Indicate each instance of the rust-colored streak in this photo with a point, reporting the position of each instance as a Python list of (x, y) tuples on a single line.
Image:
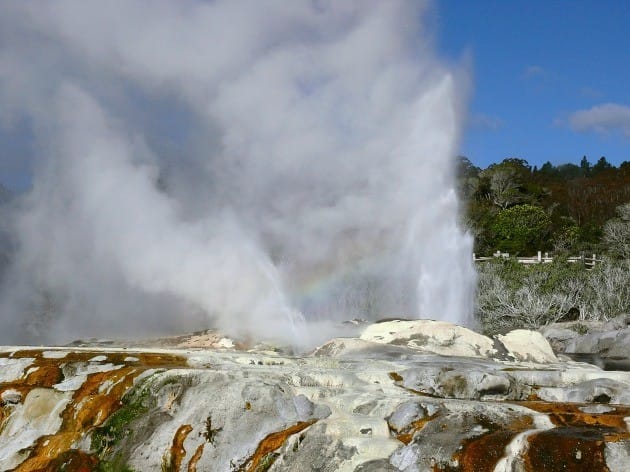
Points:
[(395, 377), (88, 409), (151, 360), (407, 434), (192, 464), (271, 443), (98, 398), (482, 453), (566, 449), (72, 461), (576, 444), (42, 373), (569, 414), (34, 353), (178, 452)]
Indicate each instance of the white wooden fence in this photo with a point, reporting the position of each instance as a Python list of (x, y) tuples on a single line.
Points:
[(540, 258)]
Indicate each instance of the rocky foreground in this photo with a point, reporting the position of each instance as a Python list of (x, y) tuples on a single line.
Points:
[(401, 396)]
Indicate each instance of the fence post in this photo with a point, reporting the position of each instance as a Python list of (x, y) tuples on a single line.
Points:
[(474, 257), (539, 257)]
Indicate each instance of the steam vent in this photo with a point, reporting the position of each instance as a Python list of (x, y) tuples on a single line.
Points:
[(398, 396)]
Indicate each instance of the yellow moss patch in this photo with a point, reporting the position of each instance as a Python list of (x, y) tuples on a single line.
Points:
[(406, 435)]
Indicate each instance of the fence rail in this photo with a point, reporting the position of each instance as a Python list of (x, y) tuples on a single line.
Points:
[(542, 258)]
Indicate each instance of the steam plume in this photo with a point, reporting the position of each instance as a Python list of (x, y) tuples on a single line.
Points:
[(243, 165)]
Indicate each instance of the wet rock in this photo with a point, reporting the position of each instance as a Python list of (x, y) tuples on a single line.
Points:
[(614, 344), (11, 397), (473, 382), (406, 414), (599, 391), (378, 465), (617, 456), (436, 337), (528, 346), (38, 416), (352, 347), (605, 339), (391, 400)]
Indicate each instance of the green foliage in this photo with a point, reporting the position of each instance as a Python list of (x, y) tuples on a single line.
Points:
[(267, 462), (567, 235), (117, 425), (578, 200), (566, 209), (585, 166), (114, 441), (569, 171), (106, 440), (579, 328), (106, 466), (521, 229), (601, 165)]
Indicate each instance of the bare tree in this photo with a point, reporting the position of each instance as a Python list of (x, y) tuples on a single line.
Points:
[(504, 187), (599, 294), (617, 233)]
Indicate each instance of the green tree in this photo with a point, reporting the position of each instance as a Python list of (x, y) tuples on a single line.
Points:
[(601, 165), (467, 177), (549, 170), (521, 229), (585, 166), (569, 171)]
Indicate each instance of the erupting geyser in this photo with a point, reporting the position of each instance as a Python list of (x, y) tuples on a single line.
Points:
[(232, 164)]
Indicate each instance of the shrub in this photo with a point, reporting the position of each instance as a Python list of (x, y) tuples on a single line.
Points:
[(617, 233), (512, 295), (521, 228)]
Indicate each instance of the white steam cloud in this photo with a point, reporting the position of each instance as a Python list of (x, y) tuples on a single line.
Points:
[(232, 164)]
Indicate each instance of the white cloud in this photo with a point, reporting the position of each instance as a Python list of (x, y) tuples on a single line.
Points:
[(603, 118)]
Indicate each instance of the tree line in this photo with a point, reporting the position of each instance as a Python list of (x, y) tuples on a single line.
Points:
[(567, 209), (520, 209)]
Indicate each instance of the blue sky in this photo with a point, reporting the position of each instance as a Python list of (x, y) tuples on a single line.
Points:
[(536, 64), (550, 82)]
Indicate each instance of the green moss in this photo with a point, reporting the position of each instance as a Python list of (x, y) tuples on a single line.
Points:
[(579, 328), (267, 462), (166, 464), (134, 404), (107, 466)]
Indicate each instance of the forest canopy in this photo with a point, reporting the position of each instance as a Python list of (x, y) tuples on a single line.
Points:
[(520, 209)]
